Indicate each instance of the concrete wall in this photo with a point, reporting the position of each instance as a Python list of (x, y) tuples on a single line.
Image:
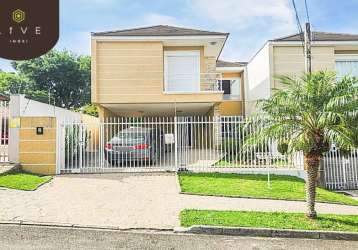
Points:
[(38, 152), (23, 107), (258, 79)]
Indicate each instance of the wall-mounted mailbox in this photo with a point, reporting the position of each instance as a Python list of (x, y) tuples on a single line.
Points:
[(39, 130)]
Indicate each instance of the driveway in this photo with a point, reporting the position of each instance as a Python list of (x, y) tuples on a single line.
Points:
[(192, 158), (127, 200)]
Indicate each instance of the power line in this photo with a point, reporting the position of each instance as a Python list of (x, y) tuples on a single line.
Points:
[(307, 15), (301, 34), (305, 38)]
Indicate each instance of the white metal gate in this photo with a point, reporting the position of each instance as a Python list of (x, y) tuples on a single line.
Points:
[(4, 137), (341, 171), (164, 143)]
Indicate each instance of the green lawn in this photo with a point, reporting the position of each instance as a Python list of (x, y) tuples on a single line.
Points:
[(23, 181), (269, 220), (235, 164), (255, 186)]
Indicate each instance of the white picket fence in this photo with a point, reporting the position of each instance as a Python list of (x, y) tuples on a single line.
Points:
[(341, 171), (165, 143), (207, 144), (4, 132)]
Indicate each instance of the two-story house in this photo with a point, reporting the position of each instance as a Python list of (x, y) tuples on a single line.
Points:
[(164, 71), (285, 56), (167, 71)]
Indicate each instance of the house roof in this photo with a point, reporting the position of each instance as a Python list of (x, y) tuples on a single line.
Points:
[(319, 36), (220, 63), (159, 30)]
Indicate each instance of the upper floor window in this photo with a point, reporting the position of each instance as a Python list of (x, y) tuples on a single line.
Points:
[(347, 65), (231, 88), (182, 71)]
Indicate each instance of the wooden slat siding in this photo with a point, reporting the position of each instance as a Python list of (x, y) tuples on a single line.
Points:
[(290, 60), (231, 74), (94, 87), (133, 72), (347, 51), (231, 108), (42, 146), (128, 68), (163, 98)]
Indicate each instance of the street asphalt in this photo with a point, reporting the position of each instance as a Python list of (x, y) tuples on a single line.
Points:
[(43, 237)]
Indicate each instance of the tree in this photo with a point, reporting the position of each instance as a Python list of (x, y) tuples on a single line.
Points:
[(62, 74), (312, 111), (89, 109), (12, 83)]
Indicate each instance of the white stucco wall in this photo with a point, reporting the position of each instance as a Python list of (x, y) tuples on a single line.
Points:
[(20, 106), (23, 107), (258, 78)]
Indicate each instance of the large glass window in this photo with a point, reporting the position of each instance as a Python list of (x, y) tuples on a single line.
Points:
[(347, 65), (231, 88)]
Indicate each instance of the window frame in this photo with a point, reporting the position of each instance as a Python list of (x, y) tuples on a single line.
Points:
[(240, 88), (184, 53), (345, 58)]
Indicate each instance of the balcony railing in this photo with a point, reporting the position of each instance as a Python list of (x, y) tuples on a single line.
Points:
[(211, 82)]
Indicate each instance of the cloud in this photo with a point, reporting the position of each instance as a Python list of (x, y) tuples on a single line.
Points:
[(155, 19), (250, 22), (5, 65), (244, 13)]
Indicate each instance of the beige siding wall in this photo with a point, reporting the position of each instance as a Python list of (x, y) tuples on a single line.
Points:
[(38, 152), (127, 70), (231, 108), (289, 60), (133, 72)]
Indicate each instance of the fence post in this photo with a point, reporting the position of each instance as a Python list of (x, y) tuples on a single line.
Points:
[(176, 142)]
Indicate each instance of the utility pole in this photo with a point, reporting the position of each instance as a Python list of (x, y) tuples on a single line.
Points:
[(308, 55)]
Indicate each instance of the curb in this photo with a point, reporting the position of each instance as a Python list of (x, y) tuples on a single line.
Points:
[(78, 226), (267, 232)]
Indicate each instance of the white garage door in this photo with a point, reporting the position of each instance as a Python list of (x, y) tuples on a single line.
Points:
[(182, 71)]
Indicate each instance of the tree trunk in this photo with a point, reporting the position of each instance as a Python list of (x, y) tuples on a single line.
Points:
[(312, 165)]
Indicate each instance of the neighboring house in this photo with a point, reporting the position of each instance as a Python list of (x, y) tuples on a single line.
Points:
[(164, 71), (284, 56)]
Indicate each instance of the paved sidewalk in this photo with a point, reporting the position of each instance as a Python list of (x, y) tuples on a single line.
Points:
[(127, 201)]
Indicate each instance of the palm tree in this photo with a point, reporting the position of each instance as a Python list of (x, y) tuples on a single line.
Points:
[(312, 111)]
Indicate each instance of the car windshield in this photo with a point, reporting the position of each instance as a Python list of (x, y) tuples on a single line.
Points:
[(129, 137)]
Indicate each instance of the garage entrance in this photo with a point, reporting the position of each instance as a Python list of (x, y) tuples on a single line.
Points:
[(202, 143)]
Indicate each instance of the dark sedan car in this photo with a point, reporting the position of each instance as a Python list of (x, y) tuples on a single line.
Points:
[(135, 145)]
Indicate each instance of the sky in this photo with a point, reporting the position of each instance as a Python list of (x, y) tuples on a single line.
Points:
[(249, 22)]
